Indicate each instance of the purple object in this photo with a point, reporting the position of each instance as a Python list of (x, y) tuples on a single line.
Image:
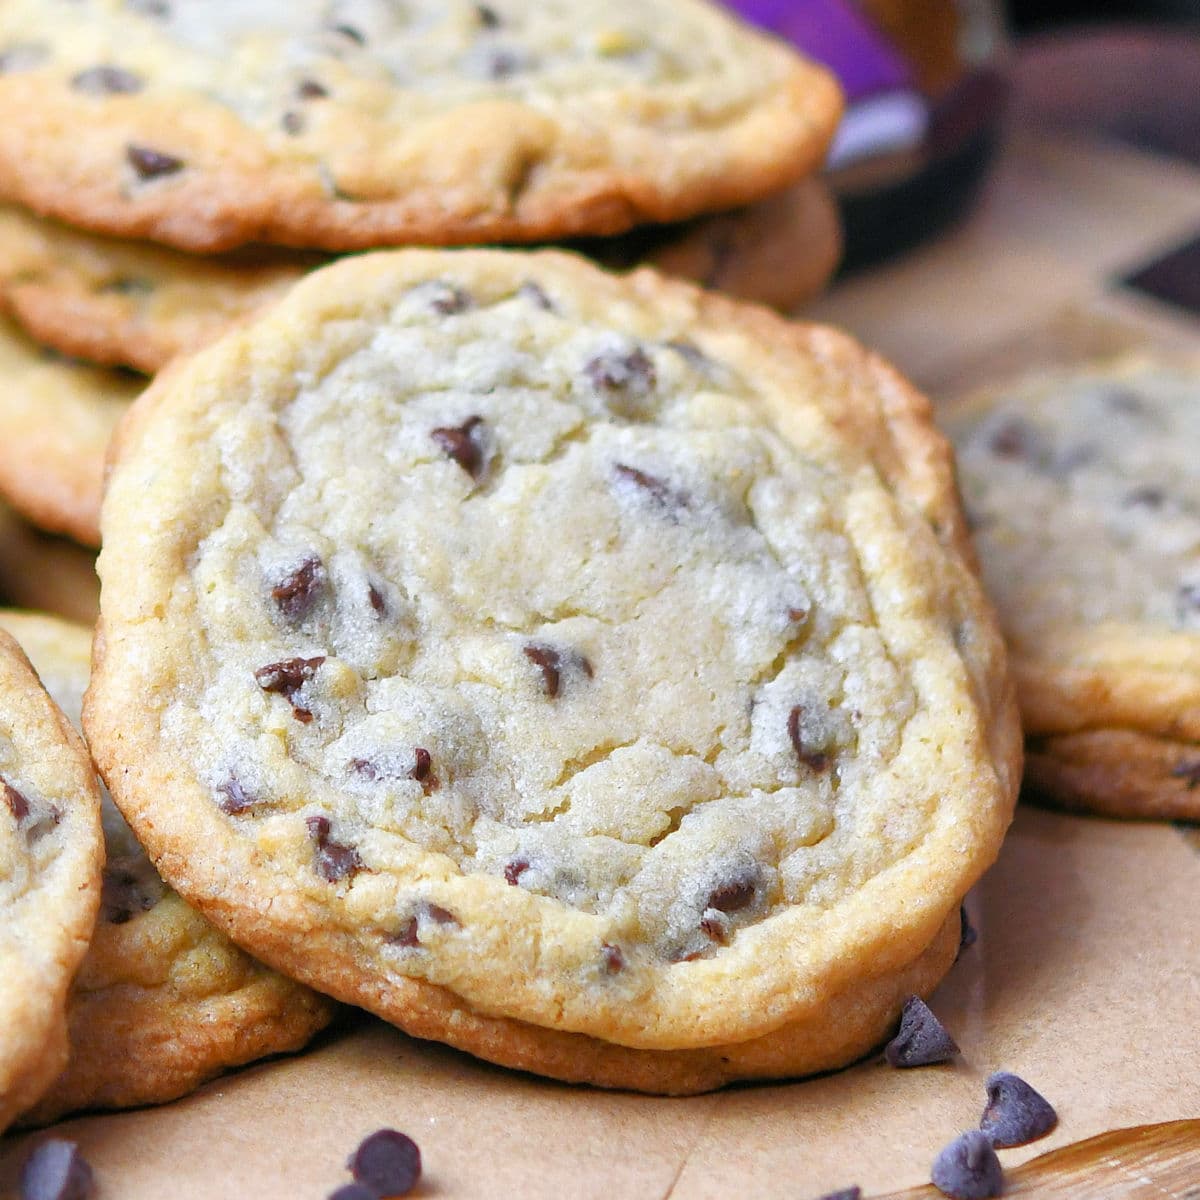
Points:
[(835, 33)]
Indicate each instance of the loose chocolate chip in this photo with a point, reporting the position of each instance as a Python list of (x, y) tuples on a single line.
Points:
[(56, 1171), (387, 1161), (1015, 1112), (922, 1039), (514, 870), (657, 489), (1014, 439), (17, 804), (24, 56), (332, 860), (310, 89), (463, 444), (1145, 497), (121, 895), (967, 936), (152, 164), (536, 296), (614, 960), (968, 1168), (354, 1191), (733, 895), (850, 1193), (107, 81), (293, 123), (235, 798), (286, 679), (815, 760), (488, 17), (631, 373), (376, 599), (295, 594), (1189, 772)]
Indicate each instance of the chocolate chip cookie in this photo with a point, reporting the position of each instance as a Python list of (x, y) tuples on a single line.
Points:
[(162, 1001), (583, 670), (50, 858), (137, 305), (206, 124), (1081, 486), (56, 419)]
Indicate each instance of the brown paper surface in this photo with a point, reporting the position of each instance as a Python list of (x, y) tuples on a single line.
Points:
[(1085, 979)]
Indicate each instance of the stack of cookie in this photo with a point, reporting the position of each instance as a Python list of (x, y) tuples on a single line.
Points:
[(584, 670)]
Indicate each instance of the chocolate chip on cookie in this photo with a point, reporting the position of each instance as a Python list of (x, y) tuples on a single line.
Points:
[(816, 759), (922, 1039), (234, 797), (286, 678), (1015, 1113), (296, 593), (56, 1170), (658, 490), (465, 444), (107, 81), (150, 164), (553, 663), (622, 374), (17, 804), (332, 860)]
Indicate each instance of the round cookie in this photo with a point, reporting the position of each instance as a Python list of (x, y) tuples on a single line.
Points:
[(358, 123), (162, 1002), (138, 305), (50, 858), (1082, 488), (588, 668), (56, 419), (47, 573)]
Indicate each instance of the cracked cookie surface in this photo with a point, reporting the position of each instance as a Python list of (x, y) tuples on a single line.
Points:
[(57, 417), (566, 654), (162, 1001), (137, 305), (206, 124), (50, 858), (1082, 490)]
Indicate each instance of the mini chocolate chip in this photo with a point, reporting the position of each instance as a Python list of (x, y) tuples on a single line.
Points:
[(17, 804), (463, 444), (797, 615), (967, 935), (631, 373), (152, 164), (295, 594), (488, 17), (435, 912), (692, 355), (921, 1040), (354, 1191), (387, 1161), (421, 770), (657, 489), (286, 678), (968, 1169), (55, 1170), (850, 1193), (235, 799), (614, 959), (815, 760), (1015, 1112), (107, 81), (121, 895), (1189, 772), (406, 935), (310, 89), (1145, 497), (448, 299), (535, 295), (293, 123), (376, 600), (733, 895), (548, 661), (514, 870), (503, 63), (332, 860), (24, 56), (365, 767), (715, 927), (1014, 439), (349, 31)]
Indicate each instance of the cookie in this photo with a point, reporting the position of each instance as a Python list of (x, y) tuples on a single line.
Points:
[(583, 670), (1081, 488), (359, 123), (138, 305), (162, 1001), (50, 858), (47, 573), (56, 419)]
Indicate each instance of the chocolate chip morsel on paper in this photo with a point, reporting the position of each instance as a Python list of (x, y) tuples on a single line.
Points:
[(1015, 1112), (922, 1039), (968, 1169)]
